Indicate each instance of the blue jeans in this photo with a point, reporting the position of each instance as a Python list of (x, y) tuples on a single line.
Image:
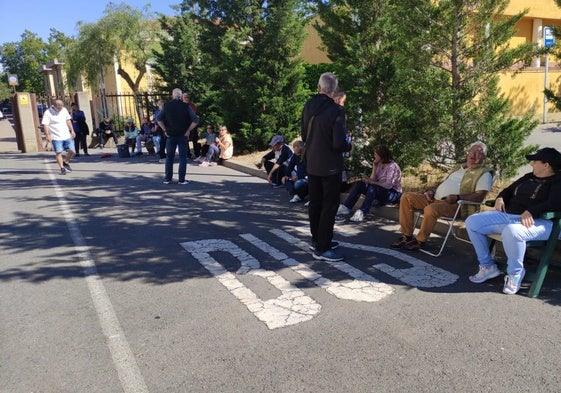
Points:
[(298, 187), (374, 195), (172, 143), (514, 236), (157, 139), (213, 151)]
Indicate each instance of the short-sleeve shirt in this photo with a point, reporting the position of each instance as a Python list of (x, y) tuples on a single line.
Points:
[(57, 122)]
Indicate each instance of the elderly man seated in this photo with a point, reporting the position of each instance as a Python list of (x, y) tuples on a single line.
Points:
[(106, 131), (276, 160), (471, 182)]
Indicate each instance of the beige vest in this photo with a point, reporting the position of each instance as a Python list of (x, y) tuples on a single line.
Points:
[(467, 186)]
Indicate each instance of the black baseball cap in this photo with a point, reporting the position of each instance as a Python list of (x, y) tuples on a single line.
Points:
[(547, 154)]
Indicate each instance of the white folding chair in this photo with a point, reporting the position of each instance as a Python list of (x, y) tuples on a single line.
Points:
[(451, 221)]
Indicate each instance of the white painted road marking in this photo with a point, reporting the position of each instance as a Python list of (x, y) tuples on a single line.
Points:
[(420, 274), (364, 288), (291, 307), (123, 359)]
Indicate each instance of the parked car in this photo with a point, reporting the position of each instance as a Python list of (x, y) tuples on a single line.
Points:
[(2, 117)]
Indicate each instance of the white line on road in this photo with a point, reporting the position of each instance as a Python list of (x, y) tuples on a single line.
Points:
[(123, 359)]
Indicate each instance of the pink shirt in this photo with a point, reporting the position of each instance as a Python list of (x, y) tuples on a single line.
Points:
[(388, 176)]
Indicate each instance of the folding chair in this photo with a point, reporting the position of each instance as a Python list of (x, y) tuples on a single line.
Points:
[(546, 249), (450, 221)]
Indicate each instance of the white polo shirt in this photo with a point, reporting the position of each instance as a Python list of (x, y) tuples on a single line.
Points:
[(57, 122)]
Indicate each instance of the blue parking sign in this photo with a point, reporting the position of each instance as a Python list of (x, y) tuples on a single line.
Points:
[(548, 37)]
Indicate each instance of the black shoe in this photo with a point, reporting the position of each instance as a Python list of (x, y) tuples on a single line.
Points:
[(403, 240), (86, 154), (67, 167), (413, 245), (63, 171), (76, 155)]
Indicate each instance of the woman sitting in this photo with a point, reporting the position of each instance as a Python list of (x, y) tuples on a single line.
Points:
[(222, 148), (516, 218), (382, 187)]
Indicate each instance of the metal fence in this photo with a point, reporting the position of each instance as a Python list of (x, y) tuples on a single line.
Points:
[(117, 107)]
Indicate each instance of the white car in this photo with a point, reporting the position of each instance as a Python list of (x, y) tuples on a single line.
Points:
[(1, 116)]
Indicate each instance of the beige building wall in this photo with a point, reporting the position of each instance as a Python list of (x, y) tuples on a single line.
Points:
[(524, 88)]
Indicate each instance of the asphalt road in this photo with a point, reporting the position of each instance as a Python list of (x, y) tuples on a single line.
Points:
[(111, 281)]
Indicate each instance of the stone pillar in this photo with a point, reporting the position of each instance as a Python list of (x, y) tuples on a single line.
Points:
[(28, 134)]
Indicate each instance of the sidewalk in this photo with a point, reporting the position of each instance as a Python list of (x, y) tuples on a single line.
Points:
[(8, 143)]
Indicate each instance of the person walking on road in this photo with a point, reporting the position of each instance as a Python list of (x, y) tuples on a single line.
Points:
[(323, 129), (80, 129), (57, 125), (176, 121)]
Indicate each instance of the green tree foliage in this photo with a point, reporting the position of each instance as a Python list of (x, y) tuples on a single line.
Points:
[(469, 43), (124, 35), (422, 76), (25, 57), (377, 58), (249, 54)]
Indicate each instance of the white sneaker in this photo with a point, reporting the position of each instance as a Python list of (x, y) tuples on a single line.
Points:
[(358, 216), (295, 199), (485, 273), (343, 210), (307, 204), (513, 282)]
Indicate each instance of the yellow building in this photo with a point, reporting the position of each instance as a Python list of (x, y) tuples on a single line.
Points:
[(525, 88)]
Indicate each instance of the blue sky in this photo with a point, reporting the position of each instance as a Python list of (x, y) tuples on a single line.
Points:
[(39, 16)]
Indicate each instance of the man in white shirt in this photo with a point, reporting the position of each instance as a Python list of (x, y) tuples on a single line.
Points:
[(57, 125), (471, 182)]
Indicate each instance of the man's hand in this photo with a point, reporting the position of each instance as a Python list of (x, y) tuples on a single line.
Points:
[(429, 195), (451, 199)]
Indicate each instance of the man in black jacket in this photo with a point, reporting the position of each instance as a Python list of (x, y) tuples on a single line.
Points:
[(324, 131), (176, 120)]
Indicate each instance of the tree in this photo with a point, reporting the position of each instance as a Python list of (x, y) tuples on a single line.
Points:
[(123, 36), (427, 75), (470, 43), (248, 53), (377, 58), (25, 57)]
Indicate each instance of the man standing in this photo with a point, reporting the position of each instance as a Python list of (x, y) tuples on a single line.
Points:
[(80, 129), (176, 121), (194, 135), (323, 129), (57, 125)]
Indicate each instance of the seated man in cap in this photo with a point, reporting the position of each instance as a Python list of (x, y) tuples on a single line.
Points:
[(131, 132), (276, 161), (106, 131)]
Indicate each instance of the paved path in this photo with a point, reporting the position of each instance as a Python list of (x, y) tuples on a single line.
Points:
[(111, 281)]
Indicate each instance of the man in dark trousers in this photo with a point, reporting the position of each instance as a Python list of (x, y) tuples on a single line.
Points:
[(176, 121), (324, 131)]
